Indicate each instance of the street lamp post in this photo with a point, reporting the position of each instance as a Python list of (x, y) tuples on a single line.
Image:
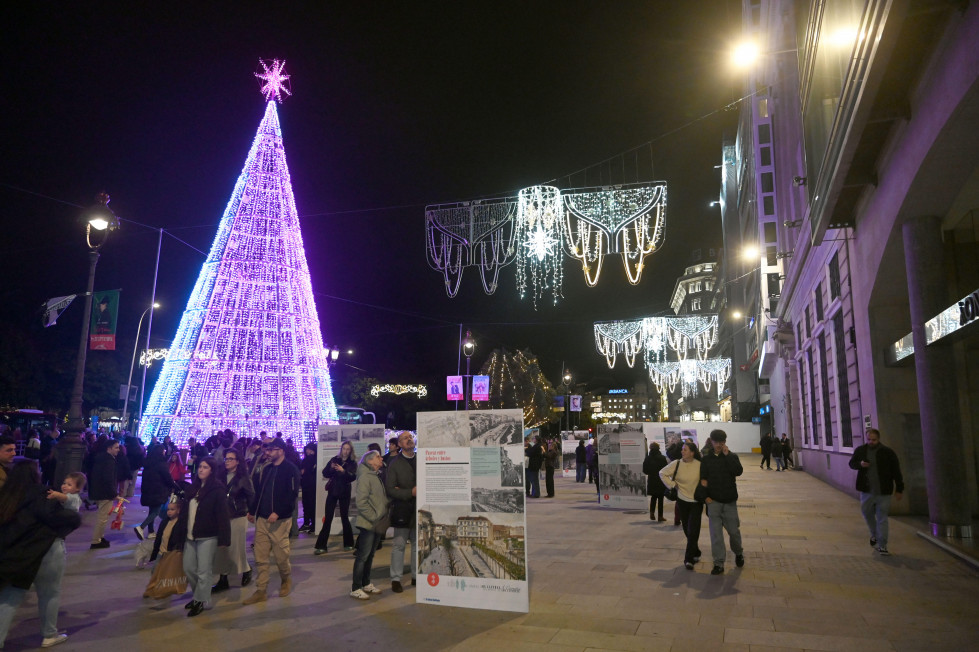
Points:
[(129, 383), (468, 348), (567, 399), (70, 449)]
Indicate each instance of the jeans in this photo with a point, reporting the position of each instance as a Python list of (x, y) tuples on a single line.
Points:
[(580, 471), (151, 517), (533, 487), (724, 516), (875, 510), (332, 500), (401, 536), (199, 566), (47, 583), (779, 463), (366, 546), (690, 517)]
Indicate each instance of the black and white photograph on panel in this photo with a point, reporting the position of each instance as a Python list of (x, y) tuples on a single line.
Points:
[(488, 494), (607, 445), (620, 479), (351, 434), (329, 434), (443, 429), (511, 466), (496, 428), (453, 541)]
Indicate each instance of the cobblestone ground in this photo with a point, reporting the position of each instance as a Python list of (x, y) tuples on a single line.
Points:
[(600, 579)]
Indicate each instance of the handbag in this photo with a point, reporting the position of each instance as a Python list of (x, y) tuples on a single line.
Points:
[(168, 577), (382, 524), (402, 513), (671, 493)]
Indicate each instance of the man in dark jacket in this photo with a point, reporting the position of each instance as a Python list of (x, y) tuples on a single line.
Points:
[(580, 462), (718, 473), (535, 460), (651, 466), (402, 488), (102, 487), (271, 512), (766, 450), (878, 473)]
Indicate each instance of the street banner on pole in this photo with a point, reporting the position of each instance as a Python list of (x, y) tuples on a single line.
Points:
[(54, 307), (453, 388), (481, 388), (471, 512), (105, 314), (575, 403)]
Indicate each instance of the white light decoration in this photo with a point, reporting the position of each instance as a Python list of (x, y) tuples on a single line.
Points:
[(688, 373), (664, 375), (276, 81), (691, 332), (539, 240), (614, 337), (420, 390), (470, 234), (714, 370), (149, 356), (248, 354), (627, 220)]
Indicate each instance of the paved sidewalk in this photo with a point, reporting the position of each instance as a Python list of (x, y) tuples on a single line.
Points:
[(600, 579)]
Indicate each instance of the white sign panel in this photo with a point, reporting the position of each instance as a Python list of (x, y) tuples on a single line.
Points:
[(621, 451), (328, 441), (471, 510)]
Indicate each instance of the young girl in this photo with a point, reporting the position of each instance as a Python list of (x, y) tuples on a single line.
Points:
[(71, 489)]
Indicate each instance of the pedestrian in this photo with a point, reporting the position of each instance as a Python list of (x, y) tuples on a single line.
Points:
[(535, 459), (878, 475), (787, 452), (580, 461), (372, 507), (392, 450), (208, 527), (552, 461), (307, 472), (102, 487), (718, 473), (233, 560), (401, 486), (33, 530), (271, 512), (655, 488), (766, 450), (340, 473), (155, 490), (8, 449), (684, 474), (777, 454)]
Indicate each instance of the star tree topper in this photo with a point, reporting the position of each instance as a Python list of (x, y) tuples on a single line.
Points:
[(276, 82)]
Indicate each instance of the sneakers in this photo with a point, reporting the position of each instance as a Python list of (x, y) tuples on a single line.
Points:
[(196, 609), (688, 565), (101, 544), (139, 533), (254, 598), (717, 570), (319, 551), (881, 550), (286, 587), (739, 561), (396, 587), (370, 588), (359, 594), (347, 548), (54, 640), (873, 542)]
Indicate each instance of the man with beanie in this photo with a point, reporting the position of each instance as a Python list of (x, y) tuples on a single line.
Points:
[(718, 472)]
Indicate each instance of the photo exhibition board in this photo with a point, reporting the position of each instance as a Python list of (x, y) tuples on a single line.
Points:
[(621, 451), (328, 441)]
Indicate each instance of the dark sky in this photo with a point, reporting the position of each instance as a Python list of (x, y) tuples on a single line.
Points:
[(395, 105)]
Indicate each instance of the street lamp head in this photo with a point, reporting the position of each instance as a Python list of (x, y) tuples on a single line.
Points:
[(744, 55), (156, 305), (750, 253), (736, 314), (334, 353), (100, 218), (468, 345)]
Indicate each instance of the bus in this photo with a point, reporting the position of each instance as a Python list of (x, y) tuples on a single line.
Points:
[(348, 414), (25, 420)]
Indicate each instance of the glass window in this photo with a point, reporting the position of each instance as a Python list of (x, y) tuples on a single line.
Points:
[(766, 156), (767, 182), (819, 302), (764, 133), (770, 232), (843, 381), (768, 205), (834, 276), (771, 256)]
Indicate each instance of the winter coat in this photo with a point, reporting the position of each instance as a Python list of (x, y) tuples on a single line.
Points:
[(307, 469), (240, 493), (338, 482), (27, 537), (399, 479), (102, 479), (178, 536), (720, 472), (157, 484), (535, 457), (372, 499), (651, 467), (580, 454), (212, 518), (888, 470), (284, 485)]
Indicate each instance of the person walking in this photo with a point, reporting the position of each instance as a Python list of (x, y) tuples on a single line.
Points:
[(684, 474), (32, 549), (766, 450), (878, 476), (655, 460), (718, 473), (340, 472), (271, 512), (552, 461), (233, 560), (787, 452), (535, 459), (777, 454), (401, 486), (155, 489), (102, 487), (372, 507), (580, 461), (208, 527), (307, 472)]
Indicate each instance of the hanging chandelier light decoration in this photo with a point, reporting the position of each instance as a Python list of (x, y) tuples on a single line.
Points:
[(714, 370), (614, 337), (691, 332), (664, 375), (539, 240), (471, 234), (625, 219)]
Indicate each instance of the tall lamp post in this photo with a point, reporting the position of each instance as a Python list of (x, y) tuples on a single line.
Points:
[(567, 399), (129, 383), (70, 449), (468, 348)]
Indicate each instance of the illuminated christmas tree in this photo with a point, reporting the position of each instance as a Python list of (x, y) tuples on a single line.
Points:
[(248, 354), (516, 381)]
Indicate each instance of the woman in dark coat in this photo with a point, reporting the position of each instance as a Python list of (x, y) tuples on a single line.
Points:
[(655, 488), (156, 487), (208, 526), (340, 473), (308, 485), (234, 559), (32, 549)]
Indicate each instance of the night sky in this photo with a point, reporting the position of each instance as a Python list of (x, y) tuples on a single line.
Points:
[(395, 105)]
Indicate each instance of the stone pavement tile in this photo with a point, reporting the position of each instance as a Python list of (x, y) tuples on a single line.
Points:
[(480, 644), (773, 601), (576, 621), (519, 633), (588, 598), (656, 611), (826, 642), (828, 617), (742, 622), (594, 640), (664, 629), (705, 634), (693, 645)]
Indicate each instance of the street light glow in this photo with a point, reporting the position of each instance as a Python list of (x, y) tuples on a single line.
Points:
[(736, 314), (99, 223), (744, 55), (750, 252)]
